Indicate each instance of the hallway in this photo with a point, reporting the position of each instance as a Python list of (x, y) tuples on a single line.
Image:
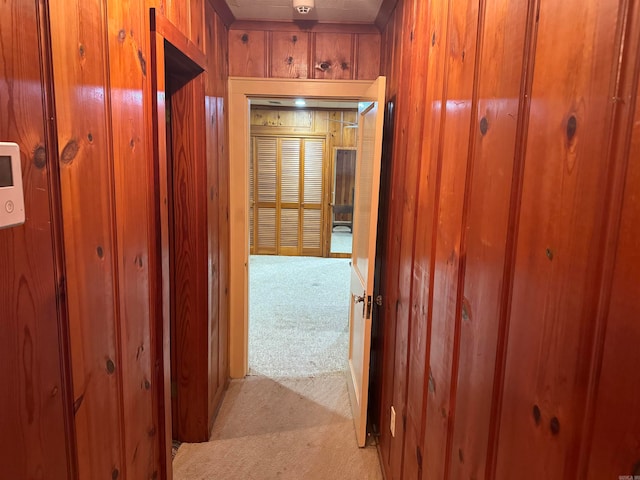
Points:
[(291, 417)]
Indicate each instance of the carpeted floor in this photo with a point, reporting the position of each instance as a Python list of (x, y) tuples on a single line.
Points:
[(298, 315), (291, 418), (288, 428)]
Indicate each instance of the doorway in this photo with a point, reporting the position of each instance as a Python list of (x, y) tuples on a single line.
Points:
[(240, 93)]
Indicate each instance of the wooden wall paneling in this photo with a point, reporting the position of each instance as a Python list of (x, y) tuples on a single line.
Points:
[(500, 81), (447, 248), (391, 246), (197, 29), (332, 56), (557, 265), (161, 332), (190, 275), (367, 57), (616, 418), (127, 49), (612, 422), (36, 398), (213, 226), (397, 299), (247, 53), (223, 219), (417, 233), (87, 179), (289, 55)]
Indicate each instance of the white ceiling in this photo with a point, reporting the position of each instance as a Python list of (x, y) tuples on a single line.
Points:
[(310, 103), (343, 11)]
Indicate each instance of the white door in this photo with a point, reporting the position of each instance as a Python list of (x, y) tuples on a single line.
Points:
[(365, 219)]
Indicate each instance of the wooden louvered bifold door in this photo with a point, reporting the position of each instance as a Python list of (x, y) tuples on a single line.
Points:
[(265, 206), (287, 188), (314, 154)]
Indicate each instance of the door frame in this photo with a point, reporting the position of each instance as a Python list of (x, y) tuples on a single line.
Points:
[(240, 92)]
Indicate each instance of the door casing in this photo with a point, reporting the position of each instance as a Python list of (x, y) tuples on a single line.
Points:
[(240, 92)]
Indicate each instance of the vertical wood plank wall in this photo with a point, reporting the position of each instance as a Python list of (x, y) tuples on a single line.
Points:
[(511, 242), (286, 50), (94, 231), (35, 410)]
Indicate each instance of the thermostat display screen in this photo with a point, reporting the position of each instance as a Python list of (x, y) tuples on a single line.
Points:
[(6, 174)]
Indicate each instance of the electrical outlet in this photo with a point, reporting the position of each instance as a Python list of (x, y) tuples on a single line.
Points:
[(392, 425)]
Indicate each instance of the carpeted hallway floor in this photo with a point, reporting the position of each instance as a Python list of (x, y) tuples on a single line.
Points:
[(291, 417)]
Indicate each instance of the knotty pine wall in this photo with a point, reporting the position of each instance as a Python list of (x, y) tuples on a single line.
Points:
[(80, 280), (288, 50), (510, 240)]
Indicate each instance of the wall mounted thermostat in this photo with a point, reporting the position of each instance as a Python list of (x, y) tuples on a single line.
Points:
[(11, 193)]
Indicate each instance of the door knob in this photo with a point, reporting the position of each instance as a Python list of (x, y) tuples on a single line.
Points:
[(358, 298)]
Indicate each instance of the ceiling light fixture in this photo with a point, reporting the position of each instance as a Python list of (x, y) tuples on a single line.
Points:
[(303, 6), (300, 102)]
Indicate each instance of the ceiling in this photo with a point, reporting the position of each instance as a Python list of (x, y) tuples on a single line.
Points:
[(342, 11), (309, 103)]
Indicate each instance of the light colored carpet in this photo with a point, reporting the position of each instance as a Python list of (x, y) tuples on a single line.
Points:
[(288, 428), (298, 315), (291, 418), (341, 241)]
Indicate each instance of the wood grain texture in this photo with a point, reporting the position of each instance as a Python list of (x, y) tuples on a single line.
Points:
[(190, 263), (499, 84), (289, 55), (247, 53), (333, 56), (555, 287), (496, 99), (367, 57), (127, 47), (35, 400), (87, 179), (288, 50)]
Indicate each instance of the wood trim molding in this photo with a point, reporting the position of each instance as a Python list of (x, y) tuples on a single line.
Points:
[(240, 90), (223, 11), (304, 26), (384, 14), (172, 34)]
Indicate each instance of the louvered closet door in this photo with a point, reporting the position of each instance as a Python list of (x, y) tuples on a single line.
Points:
[(314, 155), (289, 196), (265, 207), (252, 197), (287, 189)]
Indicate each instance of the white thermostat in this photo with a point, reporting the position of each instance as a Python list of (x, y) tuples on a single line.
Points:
[(11, 193)]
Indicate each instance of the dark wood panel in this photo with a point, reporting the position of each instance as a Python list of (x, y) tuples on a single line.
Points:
[(289, 55), (613, 421), (247, 53), (87, 179), (367, 57), (190, 259), (397, 394), (385, 13), (484, 238), (555, 289), (35, 399), (223, 11), (333, 56)]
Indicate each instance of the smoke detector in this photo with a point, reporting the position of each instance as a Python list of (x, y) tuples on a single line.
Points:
[(303, 6)]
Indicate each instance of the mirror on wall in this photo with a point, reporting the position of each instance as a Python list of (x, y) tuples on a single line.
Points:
[(342, 200)]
